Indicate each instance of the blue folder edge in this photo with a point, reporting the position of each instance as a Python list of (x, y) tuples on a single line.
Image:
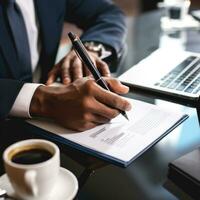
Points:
[(103, 156)]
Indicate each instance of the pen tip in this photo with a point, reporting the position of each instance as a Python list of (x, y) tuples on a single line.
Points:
[(72, 36), (126, 116)]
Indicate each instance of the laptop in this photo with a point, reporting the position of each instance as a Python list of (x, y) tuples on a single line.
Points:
[(170, 72)]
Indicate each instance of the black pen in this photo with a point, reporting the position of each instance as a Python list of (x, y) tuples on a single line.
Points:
[(85, 58)]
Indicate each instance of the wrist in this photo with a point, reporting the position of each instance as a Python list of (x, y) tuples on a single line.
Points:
[(45, 101), (38, 102)]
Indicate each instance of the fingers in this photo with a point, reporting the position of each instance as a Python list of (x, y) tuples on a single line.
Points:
[(96, 115), (60, 70), (100, 64), (65, 71), (86, 71), (116, 86), (53, 74), (111, 99), (104, 111), (51, 78), (98, 119), (71, 68), (103, 67), (77, 69), (105, 97)]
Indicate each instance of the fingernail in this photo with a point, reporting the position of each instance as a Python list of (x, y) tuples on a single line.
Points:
[(66, 80), (128, 107)]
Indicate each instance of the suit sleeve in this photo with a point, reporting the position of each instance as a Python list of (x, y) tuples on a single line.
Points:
[(101, 21), (9, 90)]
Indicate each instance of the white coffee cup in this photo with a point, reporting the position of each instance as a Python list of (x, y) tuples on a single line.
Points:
[(32, 181)]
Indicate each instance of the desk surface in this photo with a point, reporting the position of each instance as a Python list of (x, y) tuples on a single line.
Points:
[(146, 177)]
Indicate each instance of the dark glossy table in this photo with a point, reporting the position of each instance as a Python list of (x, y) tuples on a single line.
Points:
[(146, 177)]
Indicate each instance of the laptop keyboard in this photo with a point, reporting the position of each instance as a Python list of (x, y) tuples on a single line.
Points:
[(184, 77)]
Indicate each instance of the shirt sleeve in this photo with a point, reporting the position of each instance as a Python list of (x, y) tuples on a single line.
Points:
[(22, 103)]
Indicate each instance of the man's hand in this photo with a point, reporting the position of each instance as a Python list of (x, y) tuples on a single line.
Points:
[(81, 105), (70, 68)]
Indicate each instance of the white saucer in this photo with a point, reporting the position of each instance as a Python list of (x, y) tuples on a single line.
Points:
[(65, 189)]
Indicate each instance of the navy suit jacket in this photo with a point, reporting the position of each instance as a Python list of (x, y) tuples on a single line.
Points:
[(100, 19)]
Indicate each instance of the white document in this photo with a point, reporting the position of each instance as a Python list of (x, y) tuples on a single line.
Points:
[(121, 139)]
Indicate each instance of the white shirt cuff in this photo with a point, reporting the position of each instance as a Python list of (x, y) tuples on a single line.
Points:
[(22, 103)]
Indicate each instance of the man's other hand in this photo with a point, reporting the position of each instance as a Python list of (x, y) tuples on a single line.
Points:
[(70, 68), (82, 104)]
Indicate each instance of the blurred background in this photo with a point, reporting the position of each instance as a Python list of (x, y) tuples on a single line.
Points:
[(148, 28)]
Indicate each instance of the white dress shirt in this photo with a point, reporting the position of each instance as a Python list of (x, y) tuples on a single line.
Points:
[(22, 103)]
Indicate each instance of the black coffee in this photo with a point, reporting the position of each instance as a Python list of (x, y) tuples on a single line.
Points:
[(32, 156), (175, 13)]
